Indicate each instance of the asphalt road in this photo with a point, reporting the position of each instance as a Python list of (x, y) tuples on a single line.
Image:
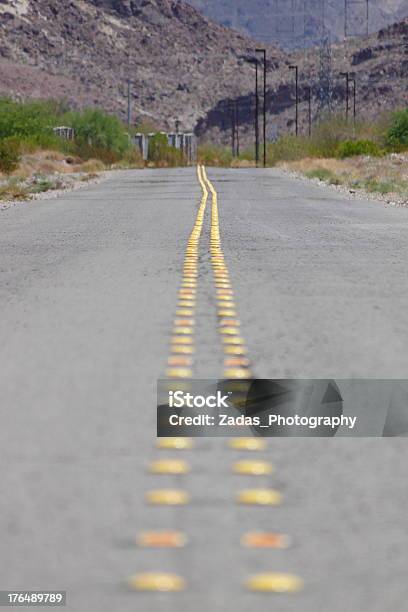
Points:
[(88, 292)]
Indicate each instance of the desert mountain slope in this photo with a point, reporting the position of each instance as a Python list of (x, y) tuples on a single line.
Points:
[(295, 23), (179, 62)]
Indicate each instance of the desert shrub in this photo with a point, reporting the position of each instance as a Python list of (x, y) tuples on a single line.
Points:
[(212, 155), (350, 148), (324, 174), (162, 154), (9, 156), (397, 136), (100, 132), (25, 119)]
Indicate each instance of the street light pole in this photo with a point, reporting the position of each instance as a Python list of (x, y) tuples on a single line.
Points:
[(129, 118), (236, 121), (263, 52), (309, 100), (256, 114), (347, 77), (296, 69)]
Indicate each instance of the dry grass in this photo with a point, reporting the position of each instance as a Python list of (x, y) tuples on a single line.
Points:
[(382, 175)]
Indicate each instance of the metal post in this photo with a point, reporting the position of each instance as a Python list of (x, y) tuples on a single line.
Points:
[(353, 80), (233, 132), (347, 76), (263, 51), (296, 69), (309, 100), (129, 118), (256, 114), (236, 121)]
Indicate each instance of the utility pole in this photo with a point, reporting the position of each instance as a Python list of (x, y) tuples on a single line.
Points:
[(263, 52), (309, 100), (129, 113), (236, 121), (233, 132), (353, 80), (296, 69), (347, 77), (256, 114)]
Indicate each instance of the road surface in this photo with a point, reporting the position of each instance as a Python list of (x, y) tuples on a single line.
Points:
[(88, 295)]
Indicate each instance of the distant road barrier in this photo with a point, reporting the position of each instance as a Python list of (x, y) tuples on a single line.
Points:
[(185, 142)]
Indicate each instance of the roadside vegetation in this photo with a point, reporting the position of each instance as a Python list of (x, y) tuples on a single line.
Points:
[(368, 156), (33, 159)]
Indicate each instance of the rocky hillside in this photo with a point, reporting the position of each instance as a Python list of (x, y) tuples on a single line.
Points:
[(380, 66), (298, 23), (180, 63)]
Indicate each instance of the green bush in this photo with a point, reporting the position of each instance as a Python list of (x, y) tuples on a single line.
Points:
[(25, 119), (162, 154), (397, 136), (98, 130), (351, 148), (213, 155), (9, 156)]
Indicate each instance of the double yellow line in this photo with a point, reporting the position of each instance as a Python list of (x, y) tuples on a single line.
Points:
[(180, 361)]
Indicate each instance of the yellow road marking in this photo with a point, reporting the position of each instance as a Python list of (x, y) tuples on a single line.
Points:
[(259, 497), (157, 581), (167, 497), (274, 582), (161, 539), (175, 443), (169, 466)]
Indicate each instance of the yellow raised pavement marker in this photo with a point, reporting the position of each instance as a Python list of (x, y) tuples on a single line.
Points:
[(179, 373), (252, 468), (167, 497), (161, 539), (237, 373), (249, 444), (259, 497), (259, 539), (175, 443), (169, 466), (157, 582), (180, 361), (236, 362), (274, 582), (179, 349)]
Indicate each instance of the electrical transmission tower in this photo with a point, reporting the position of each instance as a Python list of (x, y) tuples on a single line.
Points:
[(356, 12), (325, 96)]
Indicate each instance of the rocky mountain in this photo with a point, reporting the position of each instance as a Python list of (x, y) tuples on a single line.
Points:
[(180, 64), (378, 64), (299, 23)]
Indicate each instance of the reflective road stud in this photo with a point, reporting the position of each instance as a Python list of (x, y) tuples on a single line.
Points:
[(250, 444), (159, 582), (175, 443), (167, 497), (254, 468), (274, 582), (169, 466), (161, 539), (265, 540), (259, 497)]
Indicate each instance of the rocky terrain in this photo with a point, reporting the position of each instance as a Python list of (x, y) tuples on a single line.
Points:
[(380, 66), (179, 62), (298, 23), (181, 65)]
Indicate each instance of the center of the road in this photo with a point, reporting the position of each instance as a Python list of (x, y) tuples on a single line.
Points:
[(180, 361)]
